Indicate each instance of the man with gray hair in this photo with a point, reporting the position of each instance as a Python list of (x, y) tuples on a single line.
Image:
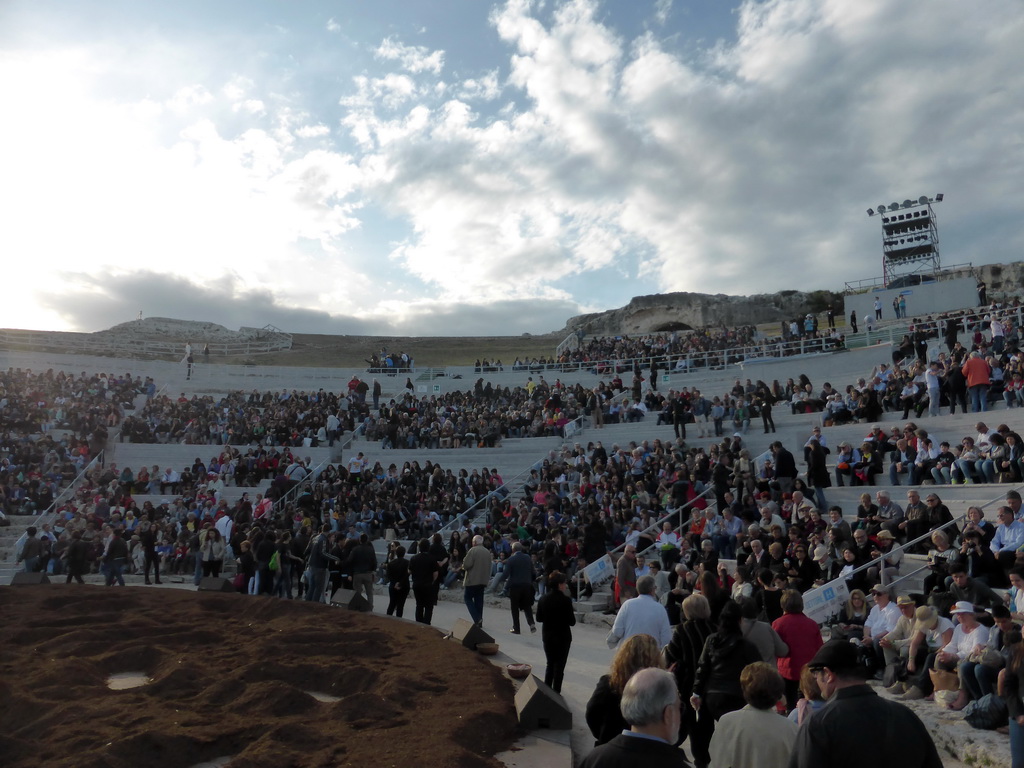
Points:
[(520, 587), (641, 615), (477, 569), (651, 706)]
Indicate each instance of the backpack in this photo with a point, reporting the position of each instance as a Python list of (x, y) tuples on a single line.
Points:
[(273, 565), (987, 713)]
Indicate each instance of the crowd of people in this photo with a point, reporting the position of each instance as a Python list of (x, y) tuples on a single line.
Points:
[(708, 347), (578, 504), (53, 424)]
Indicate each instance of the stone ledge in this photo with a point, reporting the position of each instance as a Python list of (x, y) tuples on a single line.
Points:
[(955, 738)]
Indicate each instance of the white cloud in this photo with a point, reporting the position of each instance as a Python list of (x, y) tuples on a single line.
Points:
[(189, 97), (412, 58), (333, 26), (662, 10), (485, 88), (611, 166), (252, 106), (312, 131), (755, 158)]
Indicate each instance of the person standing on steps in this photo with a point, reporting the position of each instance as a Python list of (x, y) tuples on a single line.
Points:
[(519, 568), (765, 406)]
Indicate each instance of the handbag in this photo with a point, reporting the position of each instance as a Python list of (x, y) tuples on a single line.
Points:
[(988, 657), (943, 680)]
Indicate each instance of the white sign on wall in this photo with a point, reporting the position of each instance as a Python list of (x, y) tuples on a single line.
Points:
[(600, 571), (824, 602)]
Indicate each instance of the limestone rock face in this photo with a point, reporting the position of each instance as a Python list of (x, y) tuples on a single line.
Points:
[(682, 311), (196, 331)]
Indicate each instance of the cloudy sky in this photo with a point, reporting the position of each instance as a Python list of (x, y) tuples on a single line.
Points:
[(467, 167)]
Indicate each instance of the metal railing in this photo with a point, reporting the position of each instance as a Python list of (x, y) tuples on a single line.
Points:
[(50, 511), (895, 331), (687, 362), (507, 485), (292, 493), (572, 341), (878, 561), (864, 285), (655, 526), (344, 442), (89, 343)]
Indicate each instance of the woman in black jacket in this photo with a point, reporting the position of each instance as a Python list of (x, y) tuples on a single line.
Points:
[(817, 473), (556, 614), (398, 582), (725, 654), (684, 652)]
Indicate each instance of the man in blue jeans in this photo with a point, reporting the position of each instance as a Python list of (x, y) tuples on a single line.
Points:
[(477, 569)]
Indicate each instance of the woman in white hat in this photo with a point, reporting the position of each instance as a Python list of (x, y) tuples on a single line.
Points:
[(968, 636)]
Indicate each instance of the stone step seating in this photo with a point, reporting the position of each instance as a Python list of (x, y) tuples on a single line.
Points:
[(956, 497), (9, 535), (945, 426), (177, 455), (231, 494), (511, 458)]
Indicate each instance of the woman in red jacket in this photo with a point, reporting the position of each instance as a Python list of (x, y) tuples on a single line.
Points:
[(803, 637)]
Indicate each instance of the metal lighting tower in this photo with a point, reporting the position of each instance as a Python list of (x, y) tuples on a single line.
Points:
[(910, 238)]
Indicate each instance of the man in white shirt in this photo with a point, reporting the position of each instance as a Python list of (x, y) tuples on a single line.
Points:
[(357, 464), (881, 619), (668, 544), (998, 331), (333, 427), (169, 478), (933, 381), (641, 615)]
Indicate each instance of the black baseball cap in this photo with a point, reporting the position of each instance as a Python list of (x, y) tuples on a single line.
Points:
[(836, 655)]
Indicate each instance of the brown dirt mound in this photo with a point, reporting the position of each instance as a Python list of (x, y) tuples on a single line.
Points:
[(232, 675)]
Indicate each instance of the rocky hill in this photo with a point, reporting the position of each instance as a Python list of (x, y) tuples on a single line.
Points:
[(683, 311)]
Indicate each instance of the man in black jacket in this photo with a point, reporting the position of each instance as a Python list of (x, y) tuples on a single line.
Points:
[(785, 467), (362, 563), (835, 734), (398, 582), (556, 614), (519, 568), (424, 570)]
